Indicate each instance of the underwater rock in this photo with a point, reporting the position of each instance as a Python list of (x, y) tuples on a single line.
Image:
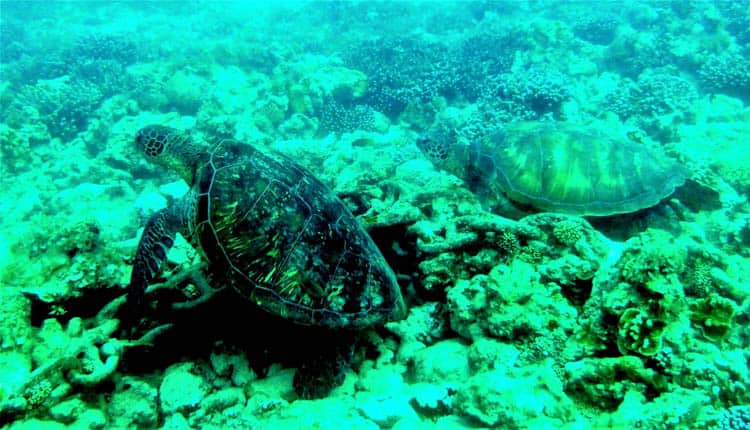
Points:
[(385, 411), (218, 401), (486, 354), (15, 325), (431, 400), (134, 403), (234, 366), (15, 371), (82, 270), (493, 398), (181, 390), (324, 414), (76, 412), (15, 150), (176, 422), (423, 324), (37, 424), (186, 91), (716, 139), (604, 382), (677, 409), (383, 396), (445, 362), (510, 303)]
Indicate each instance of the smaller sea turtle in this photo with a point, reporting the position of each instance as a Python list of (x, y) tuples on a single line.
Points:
[(558, 167), (270, 230)]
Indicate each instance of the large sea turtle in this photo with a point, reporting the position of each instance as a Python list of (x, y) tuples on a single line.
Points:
[(558, 167), (270, 230)]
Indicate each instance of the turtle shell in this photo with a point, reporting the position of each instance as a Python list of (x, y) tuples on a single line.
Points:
[(560, 167), (282, 239)]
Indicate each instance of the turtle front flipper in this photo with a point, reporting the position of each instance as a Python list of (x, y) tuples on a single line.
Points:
[(156, 241)]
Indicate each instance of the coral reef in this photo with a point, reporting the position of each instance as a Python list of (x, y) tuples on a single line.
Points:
[(337, 118), (539, 321), (64, 104), (600, 30), (400, 71), (727, 73)]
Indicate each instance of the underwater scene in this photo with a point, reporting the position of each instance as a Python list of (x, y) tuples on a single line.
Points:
[(375, 215)]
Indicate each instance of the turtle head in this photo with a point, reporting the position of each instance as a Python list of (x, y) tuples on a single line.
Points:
[(436, 143), (440, 145), (171, 148)]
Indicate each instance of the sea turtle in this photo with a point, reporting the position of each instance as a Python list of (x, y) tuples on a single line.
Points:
[(269, 229), (558, 167)]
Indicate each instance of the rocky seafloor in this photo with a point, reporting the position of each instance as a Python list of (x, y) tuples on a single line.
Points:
[(546, 321)]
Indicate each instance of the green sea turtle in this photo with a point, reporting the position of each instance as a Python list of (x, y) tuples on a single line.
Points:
[(558, 167), (270, 230)]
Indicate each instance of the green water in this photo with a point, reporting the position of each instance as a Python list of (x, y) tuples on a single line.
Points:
[(418, 145)]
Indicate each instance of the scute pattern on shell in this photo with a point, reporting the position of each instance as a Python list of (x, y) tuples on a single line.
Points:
[(560, 167), (283, 240)]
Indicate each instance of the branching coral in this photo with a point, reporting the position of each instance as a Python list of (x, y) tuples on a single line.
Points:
[(65, 104), (82, 354), (104, 46), (337, 118), (482, 56), (401, 70), (727, 73), (600, 30)]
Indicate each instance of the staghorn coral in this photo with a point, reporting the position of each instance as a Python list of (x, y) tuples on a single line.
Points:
[(66, 359)]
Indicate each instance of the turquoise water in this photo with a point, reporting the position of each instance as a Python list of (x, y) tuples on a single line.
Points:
[(396, 215)]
